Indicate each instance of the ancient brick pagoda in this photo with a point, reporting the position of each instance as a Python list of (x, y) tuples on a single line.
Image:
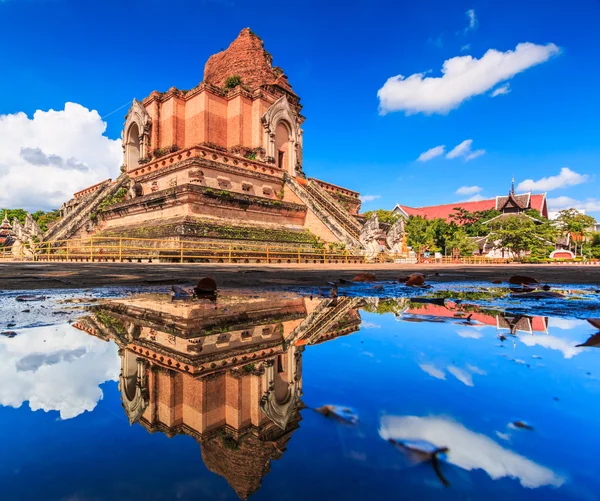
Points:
[(222, 161)]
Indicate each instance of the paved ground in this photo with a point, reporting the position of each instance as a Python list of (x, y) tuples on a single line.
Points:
[(23, 276)]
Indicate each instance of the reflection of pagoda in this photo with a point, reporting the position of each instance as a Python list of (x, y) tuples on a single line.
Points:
[(228, 373), (498, 319)]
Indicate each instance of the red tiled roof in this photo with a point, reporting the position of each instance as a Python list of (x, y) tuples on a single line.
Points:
[(446, 211), (538, 324)]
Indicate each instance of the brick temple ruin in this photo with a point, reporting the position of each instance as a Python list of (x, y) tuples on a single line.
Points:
[(221, 162)]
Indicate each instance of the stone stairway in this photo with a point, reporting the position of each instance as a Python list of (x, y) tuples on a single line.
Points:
[(335, 208), (76, 219), (322, 319), (339, 221)]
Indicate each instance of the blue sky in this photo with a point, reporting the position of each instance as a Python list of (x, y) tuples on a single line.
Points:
[(337, 55)]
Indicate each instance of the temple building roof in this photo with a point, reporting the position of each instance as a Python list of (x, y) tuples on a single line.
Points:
[(247, 58), (500, 203)]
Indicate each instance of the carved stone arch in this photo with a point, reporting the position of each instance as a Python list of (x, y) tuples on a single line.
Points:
[(136, 135), (133, 382), (281, 114), (280, 403)]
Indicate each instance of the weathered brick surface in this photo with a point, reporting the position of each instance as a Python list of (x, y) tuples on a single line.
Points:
[(245, 57)]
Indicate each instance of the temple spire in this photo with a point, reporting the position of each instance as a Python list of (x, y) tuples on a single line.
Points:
[(512, 189)]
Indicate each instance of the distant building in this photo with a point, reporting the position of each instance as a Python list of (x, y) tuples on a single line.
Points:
[(6, 233), (509, 204)]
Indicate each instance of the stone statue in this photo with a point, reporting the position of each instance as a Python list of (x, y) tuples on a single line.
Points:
[(368, 237), (394, 237)]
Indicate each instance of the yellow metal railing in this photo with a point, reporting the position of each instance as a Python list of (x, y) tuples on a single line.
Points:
[(5, 253), (126, 249), (137, 249)]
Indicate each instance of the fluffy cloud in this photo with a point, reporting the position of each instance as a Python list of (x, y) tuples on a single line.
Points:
[(56, 368), (469, 450), (462, 78), (369, 198), (560, 203), (436, 151), (46, 158), (464, 150), (565, 178), (503, 89), (468, 190)]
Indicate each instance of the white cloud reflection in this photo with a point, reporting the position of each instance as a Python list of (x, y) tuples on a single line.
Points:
[(469, 450), (55, 368), (567, 347)]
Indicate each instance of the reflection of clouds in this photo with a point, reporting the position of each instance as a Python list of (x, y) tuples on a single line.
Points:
[(565, 324), (470, 333), (469, 450), (463, 376), (370, 325), (56, 368), (567, 347), (476, 370), (433, 371)]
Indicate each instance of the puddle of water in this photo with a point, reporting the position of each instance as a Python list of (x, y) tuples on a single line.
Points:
[(434, 393)]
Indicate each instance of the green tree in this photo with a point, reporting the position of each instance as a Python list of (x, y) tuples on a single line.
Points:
[(461, 241), (578, 225), (520, 235), (472, 222), (418, 234), (384, 216)]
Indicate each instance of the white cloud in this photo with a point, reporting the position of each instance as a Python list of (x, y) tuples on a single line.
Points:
[(469, 450), (433, 371), (474, 198), (472, 20), (369, 198), (465, 47), (464, 150), (468, 190), (565, 178), (560, 203), (460, 150), (475, 154), (46, 158), (436, 151), (462, 78), (503, 89), (56, 368)]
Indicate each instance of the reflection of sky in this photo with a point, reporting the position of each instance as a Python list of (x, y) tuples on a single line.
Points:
[(467, 449), (55, 368), (418, 369)]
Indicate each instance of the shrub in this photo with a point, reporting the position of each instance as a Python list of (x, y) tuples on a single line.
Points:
[(233, 81)]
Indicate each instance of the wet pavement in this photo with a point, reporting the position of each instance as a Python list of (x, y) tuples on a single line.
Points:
[(455, 391)]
